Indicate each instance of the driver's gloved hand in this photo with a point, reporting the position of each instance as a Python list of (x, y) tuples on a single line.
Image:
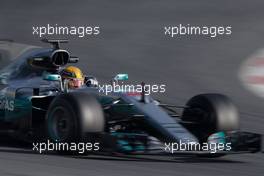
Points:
[(90, 81)]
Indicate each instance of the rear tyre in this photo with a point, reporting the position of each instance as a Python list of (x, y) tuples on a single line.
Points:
[(73, 118)]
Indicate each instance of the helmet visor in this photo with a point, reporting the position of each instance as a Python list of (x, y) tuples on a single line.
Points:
[(75, 82)]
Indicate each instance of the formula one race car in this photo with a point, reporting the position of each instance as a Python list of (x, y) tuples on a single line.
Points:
[(36, 105)]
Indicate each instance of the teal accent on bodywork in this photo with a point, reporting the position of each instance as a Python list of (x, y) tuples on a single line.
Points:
[(140, 147), (218, 137), (22, 109), (121, 77), (124, 146), (51, 77), (128, 142)]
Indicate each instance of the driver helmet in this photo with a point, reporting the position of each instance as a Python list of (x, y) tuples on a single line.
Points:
[(74, 77)]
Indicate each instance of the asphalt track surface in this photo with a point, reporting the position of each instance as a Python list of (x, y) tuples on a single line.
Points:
[(132, 40)]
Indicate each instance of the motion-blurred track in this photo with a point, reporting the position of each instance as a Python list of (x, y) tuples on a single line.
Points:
[(132, 41)]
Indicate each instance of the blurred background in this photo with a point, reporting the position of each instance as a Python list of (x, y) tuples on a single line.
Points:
[(132, 41)]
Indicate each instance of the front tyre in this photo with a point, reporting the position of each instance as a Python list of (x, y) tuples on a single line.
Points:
[(210, 113)]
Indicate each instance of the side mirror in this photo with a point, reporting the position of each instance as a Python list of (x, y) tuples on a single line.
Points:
[(121, 77), (51, 77), (73, 60)]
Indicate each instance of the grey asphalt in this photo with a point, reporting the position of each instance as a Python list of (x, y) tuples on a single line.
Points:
[(132, 41)]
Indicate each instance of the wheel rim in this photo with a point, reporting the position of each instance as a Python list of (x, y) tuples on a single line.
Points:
[(60, 125)]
